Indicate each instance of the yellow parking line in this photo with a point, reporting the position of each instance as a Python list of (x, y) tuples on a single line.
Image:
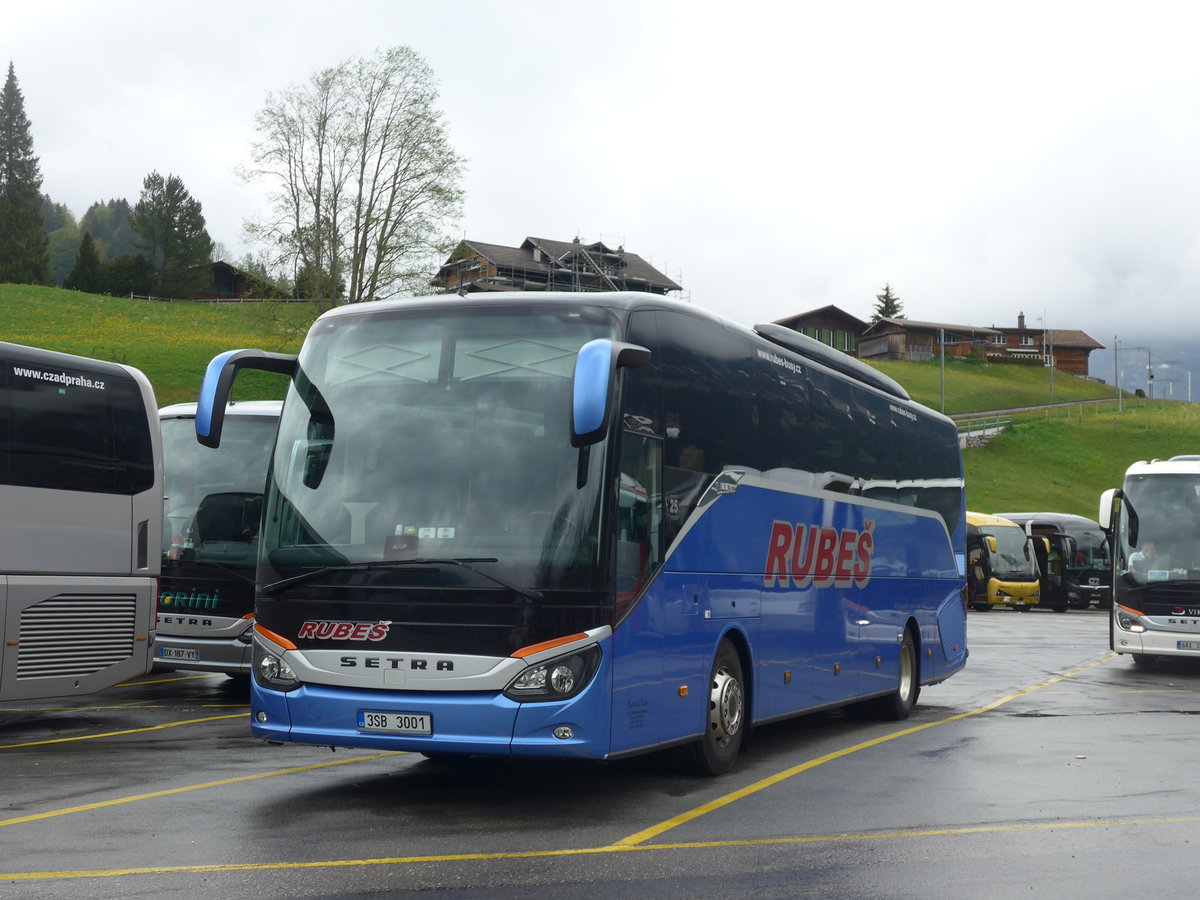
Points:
[(92, 737), (713, 805), (36, 817), (587, 851)]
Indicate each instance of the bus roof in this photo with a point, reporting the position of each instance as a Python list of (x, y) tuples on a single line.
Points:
[(1176, 465), (984, 520), (775, 336), (1062, 521)]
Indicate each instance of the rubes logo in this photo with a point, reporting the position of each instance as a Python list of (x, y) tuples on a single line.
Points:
[(189, 600), (325, 630), (812, 555)]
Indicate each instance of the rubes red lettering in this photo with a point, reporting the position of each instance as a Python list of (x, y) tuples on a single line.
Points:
[(803, 555), (307, 630)]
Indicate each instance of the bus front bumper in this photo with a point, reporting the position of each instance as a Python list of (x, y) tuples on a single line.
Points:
[(231, 656), (460, 723), (1156, 642)]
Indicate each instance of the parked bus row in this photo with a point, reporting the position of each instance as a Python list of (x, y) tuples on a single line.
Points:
[(1037, 560)]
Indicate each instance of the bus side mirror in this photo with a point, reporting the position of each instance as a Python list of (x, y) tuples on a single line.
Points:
[(993, 547), (593, 383), (1106, 515), (218, 381)]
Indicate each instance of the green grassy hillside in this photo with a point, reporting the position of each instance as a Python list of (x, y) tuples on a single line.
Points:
[(1062, 464), (170, 342), (974, 385), (1055, 461)]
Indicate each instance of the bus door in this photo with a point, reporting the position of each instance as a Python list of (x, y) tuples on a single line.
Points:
[(1051, 552), (979, 570)]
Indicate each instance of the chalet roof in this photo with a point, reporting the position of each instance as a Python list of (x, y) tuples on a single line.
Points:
[(1076, 339), (913, 325), (632, 265), (551, 254), (825, 312)]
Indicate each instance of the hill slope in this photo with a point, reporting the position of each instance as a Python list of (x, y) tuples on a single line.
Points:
[(171, 342), (1058, 461)]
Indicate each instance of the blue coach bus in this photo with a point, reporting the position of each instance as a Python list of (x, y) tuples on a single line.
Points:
[(591, 526)]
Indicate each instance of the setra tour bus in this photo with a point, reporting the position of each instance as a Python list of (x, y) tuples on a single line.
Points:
[(80, 504), (1001, 566), (212, 513), (1153, 522), (591, 526)]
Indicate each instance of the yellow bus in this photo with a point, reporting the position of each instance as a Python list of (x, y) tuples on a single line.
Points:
[(1001, 570)]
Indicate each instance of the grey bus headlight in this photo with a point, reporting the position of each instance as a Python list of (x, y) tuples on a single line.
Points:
[(557, 679), (1129, 621), (272, 671)]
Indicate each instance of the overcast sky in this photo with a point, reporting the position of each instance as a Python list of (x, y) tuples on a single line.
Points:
[(982, 159)]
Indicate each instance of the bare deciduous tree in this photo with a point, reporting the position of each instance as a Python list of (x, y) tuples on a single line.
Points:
[(364, 180)]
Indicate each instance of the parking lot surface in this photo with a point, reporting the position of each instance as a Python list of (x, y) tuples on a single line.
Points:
[(1049, 767)]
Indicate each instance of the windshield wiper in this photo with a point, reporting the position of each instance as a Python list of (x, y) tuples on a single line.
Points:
[(531, 593)]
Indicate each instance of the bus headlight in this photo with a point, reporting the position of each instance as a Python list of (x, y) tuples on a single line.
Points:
[(272, 671), (556, 679), (1130, 620)]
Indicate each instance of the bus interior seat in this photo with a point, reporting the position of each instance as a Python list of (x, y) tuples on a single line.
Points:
[(229, 517)]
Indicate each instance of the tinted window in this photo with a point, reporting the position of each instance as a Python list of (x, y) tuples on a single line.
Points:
[(74, 430)]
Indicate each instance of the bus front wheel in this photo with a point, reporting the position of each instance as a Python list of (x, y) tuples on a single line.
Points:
[(725, 716)]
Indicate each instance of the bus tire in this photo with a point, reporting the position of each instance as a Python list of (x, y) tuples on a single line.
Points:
[(1144, 660), (724, 716), (981, 607), (897, 705)]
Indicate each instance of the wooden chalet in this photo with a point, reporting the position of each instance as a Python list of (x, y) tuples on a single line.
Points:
[(540, 264)]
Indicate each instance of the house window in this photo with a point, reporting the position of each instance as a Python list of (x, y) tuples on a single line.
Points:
[(1027, 340), (1001, 339)]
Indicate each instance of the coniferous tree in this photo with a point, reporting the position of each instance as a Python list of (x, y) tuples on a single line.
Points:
[(169, 224), (86, 274), (24, 254), (887, 305)]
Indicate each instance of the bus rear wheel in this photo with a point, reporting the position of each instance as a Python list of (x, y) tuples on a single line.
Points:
[(897, 705), (724, 719)]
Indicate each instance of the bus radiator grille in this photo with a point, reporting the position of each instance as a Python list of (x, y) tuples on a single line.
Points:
[(76, 635)]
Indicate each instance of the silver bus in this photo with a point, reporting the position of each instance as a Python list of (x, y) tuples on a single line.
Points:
[(80, 504), (210, 537)]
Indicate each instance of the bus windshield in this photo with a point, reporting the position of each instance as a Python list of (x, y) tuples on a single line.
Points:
[(428, 434), (1012, 560), (1168, 540), (214, 498)]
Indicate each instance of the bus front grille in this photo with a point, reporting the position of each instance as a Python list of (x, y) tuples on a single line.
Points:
[(76, 635)]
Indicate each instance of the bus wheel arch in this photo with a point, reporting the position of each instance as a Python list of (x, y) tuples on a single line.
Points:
[(897, 705), (726, 710)]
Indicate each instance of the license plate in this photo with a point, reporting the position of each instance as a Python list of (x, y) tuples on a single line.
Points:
[(395, 722), (1187, 645), (179, 653)]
